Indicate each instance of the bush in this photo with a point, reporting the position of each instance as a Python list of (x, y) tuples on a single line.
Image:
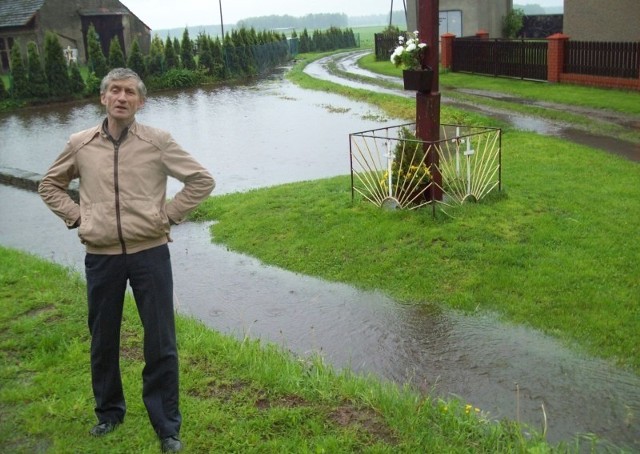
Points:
[(56, 67), (175, 78), (116, 56), (136, 60), (512, 23), (92, 85), (20, 83), (78, 85), (38, 87), (97, 60), (4, 94)]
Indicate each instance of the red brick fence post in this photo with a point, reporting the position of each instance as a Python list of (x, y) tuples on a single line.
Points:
[(555, 56), (446, 50)]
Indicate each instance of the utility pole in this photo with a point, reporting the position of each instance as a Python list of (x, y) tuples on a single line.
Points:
[(428, 104), (221, 21)]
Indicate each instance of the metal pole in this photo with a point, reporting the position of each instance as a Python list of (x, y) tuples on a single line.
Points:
[(221, 21), (428, 104)]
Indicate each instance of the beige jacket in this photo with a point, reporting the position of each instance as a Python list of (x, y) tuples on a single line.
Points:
[(123, 206)]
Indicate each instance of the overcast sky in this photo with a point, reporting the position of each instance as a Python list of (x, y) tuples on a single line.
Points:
[(162, 14)]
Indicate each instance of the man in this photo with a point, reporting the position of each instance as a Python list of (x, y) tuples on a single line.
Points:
[(124, 219)]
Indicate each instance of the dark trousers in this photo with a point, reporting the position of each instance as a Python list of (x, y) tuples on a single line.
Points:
[(150, 277)]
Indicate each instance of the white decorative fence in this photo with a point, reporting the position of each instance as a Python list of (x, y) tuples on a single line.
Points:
[(391, 168)]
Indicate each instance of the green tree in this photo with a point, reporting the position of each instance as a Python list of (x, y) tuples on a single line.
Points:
[(155, 63), (116, 56), (512, 23), (38, 86), (217, 66), (177, 50), (55, 66), (186, 51), (205, 58), (243, 42), (97, 61), (170, 57), (231, 59), (136, 60), (75, 79), (92, 85), (19, 80), (305, 42)]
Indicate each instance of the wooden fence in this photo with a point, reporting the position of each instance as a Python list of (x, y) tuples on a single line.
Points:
[(608, 59), (523, 59), (385, 44), (555, 59)]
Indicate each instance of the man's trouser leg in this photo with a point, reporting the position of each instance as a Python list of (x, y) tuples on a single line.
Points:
[(106, 285), (151, 279)]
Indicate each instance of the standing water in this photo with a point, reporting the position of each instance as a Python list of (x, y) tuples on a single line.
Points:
[(272, 133)]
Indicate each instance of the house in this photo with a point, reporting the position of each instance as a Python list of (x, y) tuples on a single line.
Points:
[(597, 20), (23, 21), (466, 17)]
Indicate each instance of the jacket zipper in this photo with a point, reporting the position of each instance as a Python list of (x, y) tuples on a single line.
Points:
[(116, 150)]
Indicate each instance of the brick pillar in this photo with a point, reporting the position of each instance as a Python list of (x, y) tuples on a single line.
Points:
[(446, 50), (555, 56), (482, 34)]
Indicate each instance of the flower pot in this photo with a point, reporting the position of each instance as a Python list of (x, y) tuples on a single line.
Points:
[(418, 79)]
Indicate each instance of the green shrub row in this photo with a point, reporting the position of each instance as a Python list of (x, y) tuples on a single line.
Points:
[(170, 64)]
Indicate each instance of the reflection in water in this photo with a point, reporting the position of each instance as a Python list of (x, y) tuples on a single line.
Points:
[(234, 132)]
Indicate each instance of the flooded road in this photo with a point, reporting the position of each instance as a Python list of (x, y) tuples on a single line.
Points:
[(346, 64), (271, 133)]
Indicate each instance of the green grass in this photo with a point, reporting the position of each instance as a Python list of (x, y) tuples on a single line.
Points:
[(621, 102), (625, 101), (366, 35), (556, 250), (236, 395)]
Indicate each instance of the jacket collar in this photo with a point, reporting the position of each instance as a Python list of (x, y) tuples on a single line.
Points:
[(104, 130)]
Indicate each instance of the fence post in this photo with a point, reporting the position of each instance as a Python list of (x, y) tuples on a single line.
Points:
[(446, 50), (482, 34), (555, 56)]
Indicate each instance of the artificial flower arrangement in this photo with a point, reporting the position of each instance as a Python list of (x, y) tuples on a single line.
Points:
[(409, 55)]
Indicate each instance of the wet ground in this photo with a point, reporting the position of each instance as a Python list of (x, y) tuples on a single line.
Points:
[(507, 371), (338, 68)]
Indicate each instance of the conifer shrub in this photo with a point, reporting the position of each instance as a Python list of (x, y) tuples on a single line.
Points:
[(19, 88)]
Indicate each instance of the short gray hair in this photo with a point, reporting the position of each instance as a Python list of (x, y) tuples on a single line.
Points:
[(121, 74)]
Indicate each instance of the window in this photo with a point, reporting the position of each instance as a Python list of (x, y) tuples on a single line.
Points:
[(5, 53)]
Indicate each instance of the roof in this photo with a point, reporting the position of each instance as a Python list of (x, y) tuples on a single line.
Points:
[(17, 13), (104, 11)]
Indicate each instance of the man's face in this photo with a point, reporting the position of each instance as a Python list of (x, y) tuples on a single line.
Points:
[(122, 100)]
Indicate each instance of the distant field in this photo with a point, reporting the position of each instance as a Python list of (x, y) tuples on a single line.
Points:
[(366, 35)]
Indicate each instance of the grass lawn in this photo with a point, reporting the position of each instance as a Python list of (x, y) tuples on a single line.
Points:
[(556, 250), (236, 395)]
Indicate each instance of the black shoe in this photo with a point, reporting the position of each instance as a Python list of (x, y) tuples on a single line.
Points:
[(103, 428), (171, 444)]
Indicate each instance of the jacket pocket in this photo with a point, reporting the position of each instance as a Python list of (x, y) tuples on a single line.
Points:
[(98, 225), (142, 220)]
